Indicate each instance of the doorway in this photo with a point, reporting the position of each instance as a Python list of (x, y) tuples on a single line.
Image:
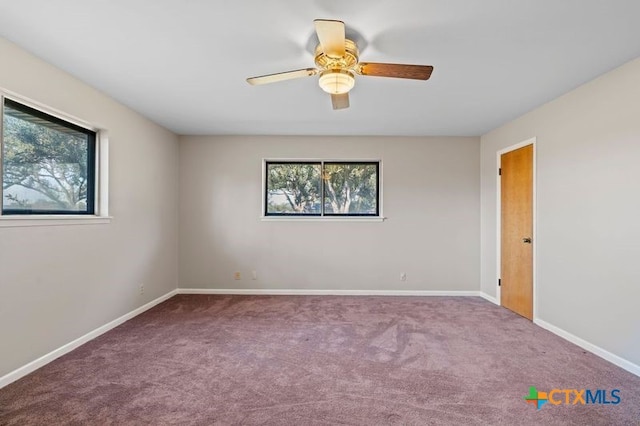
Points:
[(516, 228)]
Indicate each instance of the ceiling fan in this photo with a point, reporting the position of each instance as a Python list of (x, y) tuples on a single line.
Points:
[(337, 62)]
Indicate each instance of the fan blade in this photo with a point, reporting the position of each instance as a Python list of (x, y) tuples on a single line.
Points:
[(281, 76), (340, 101), (331, 37), (416, 72)]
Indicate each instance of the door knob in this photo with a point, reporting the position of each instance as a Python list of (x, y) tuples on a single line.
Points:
[(526, 240)]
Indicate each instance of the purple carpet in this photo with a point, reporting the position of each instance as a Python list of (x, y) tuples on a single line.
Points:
[(322, 360)]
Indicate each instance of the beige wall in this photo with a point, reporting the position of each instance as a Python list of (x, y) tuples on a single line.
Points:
[(588, 207), (430, 196), (58, 283)]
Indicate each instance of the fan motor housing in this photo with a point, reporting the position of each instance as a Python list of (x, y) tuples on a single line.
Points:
[(348, 61)]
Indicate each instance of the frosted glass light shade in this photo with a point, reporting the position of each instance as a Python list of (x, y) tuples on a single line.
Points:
[(336, 82)]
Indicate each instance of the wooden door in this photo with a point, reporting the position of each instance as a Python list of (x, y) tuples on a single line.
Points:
[(516, 186)]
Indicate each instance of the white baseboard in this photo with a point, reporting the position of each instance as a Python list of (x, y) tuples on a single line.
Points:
[(46, 359), (596, 350), (304, 292), (491, 299)]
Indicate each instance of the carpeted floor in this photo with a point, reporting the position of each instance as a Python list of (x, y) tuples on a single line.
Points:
[(307, 360)]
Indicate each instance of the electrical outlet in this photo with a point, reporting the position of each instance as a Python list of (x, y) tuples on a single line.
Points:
[(254, 275), (403, 276), (236, 276), (141, 288)]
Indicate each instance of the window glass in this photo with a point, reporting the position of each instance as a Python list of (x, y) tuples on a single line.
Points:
[(48, 164), (293, 189), (350, 188)]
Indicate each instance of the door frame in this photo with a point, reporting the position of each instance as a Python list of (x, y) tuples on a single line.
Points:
[(531, 141)]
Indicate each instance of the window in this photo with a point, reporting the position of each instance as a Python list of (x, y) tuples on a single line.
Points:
[(48, 164), (322, 188)]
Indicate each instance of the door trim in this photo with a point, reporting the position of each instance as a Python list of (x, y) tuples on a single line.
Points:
[(499, 153)]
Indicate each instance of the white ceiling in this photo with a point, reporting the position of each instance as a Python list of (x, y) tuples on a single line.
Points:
[(183, 63)]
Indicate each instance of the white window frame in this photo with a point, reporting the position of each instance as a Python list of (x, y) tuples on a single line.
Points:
[(337, 218), (101, 192)]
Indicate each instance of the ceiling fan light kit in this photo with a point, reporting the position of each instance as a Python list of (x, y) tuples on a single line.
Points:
[(337, 61), (336, 82)]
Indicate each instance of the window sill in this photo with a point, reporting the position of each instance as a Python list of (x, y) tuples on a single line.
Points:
[(322, 218), (52, 220)]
